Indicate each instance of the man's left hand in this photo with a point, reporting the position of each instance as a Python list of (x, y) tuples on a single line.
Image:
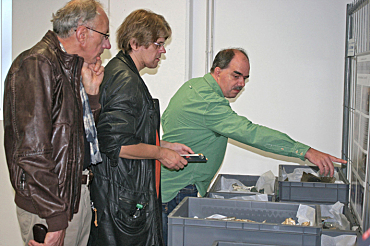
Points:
[(92, 76), (323, 161)]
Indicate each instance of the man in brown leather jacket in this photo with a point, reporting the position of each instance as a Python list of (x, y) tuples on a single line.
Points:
[(50, 102)]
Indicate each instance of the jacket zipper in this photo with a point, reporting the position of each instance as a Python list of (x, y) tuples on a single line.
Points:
[(23, 180), (77, 136)]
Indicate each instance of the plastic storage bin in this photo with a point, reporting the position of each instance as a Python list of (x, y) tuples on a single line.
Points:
[(219, 243), (335, 232), (247, 180), (312, 191), (185, 230)]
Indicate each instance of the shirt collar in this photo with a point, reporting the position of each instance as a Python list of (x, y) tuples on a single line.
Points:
[(213, 84), (62, 47)]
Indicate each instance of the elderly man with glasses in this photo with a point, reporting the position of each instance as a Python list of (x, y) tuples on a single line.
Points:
[(50, 102)]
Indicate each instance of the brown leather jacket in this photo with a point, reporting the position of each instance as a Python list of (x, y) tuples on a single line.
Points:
[(43, 124)]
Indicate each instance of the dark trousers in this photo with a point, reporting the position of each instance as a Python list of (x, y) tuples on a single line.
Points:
[(167, 207)]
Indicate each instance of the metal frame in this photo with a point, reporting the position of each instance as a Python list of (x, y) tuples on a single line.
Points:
[(357, 47)]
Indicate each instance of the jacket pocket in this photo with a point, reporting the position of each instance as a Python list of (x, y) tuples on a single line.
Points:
[(20, 181), (131, 213)]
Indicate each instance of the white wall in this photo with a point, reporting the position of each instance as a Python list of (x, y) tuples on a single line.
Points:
[(296, 49)]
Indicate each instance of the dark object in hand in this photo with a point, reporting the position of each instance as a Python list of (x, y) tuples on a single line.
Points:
[(308, 177), (193, 158), (39, 232)]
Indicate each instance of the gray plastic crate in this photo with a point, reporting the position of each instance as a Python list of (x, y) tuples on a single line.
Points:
[(247, 180), (185, 230), (335, 232), (312, 191), (219, 243)]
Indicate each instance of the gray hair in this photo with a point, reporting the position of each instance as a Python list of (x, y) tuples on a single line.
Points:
[(224, 57), (73, 14)]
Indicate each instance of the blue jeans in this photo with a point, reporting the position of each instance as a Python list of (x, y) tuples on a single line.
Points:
[(167, 207)]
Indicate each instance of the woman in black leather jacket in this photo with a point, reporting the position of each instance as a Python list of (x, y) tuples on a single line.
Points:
[(125, 191)]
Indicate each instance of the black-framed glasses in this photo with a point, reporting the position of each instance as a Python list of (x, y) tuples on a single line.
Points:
[(106, 35), (159, 45)]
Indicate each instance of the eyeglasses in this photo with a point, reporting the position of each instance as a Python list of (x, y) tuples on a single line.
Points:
[(159, 45), (106, 35)]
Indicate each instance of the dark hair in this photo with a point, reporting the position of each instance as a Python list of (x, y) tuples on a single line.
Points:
[(73, 14), (224, 57), (144, 26)]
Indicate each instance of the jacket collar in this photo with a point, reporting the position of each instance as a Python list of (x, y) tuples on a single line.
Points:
[(213, 84), (52, 41), (126, 58)]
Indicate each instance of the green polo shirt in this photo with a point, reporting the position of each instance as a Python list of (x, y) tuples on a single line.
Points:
[(200, 117)]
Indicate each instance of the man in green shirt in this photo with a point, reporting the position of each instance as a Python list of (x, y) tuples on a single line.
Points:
[(200, 117)]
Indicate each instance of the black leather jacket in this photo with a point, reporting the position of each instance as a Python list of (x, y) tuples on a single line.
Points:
[(44, 141), (129, 116)]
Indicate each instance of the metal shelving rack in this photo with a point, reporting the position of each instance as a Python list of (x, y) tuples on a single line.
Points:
[(356, 109)]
